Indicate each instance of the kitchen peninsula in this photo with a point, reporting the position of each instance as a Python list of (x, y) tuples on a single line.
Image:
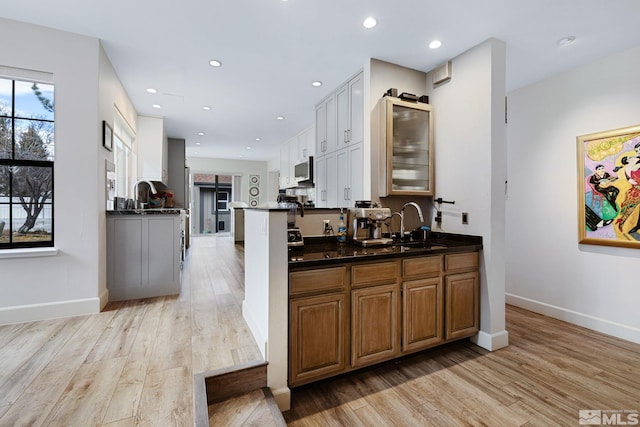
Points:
[(344, 289), (145, 251)]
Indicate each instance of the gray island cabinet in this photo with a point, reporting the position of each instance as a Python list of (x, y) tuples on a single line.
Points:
[(144, 253)]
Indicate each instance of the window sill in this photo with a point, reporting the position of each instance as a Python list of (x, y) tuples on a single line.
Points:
[(28, 253)]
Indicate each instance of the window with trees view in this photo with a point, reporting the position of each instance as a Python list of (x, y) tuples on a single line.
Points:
[(26, 163)]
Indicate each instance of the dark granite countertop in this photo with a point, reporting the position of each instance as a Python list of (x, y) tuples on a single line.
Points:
[(320, 251), (151, 211)]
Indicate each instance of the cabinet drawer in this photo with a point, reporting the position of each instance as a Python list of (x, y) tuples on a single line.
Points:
[(421, 267), (375, 273), (465, 261), (324, 279)]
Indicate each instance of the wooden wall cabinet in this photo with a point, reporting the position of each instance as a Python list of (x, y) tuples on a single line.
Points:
[(405, 141)]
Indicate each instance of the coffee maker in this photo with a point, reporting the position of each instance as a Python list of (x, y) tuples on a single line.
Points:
[(367, 225), (294, 235)]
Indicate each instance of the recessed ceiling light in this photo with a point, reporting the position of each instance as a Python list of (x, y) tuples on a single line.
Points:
[(197, 143), (370, 22), (215, 63), (195, 152), (257, 139), (566, 41), (435, 44), (317, 83), (151, 90), (280, 118), (206, 108), (248, 148), (156, 106), (201, 133)]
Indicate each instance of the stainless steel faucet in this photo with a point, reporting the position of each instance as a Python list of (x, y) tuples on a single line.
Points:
[(420, 216), (152, 188)]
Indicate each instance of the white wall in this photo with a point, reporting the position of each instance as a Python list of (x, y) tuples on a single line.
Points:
[(112, 96), (266, 303), (547, 270), (470, 162), (73, 281)]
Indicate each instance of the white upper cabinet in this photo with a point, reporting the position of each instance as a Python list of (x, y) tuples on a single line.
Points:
[(293, 151), (152, 149), (356, 110), (306, 144), (339, 145), (326, 131), (340, 117), (350, 111), (285, 165)]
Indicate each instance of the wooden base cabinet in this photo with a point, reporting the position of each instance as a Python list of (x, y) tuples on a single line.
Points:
[(462, 306), (317, 337), (375, 321), (353, 315), (422, 314)]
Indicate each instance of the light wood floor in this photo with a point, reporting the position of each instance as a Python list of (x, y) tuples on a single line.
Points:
[(133, 364), (549, 372)]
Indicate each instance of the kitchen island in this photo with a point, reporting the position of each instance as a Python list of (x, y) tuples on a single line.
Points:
[(145, 251)]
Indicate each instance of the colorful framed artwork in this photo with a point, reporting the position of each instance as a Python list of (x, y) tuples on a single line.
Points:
[(609, 188)]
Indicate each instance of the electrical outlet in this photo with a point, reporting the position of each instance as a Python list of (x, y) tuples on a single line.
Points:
[(465, 217)]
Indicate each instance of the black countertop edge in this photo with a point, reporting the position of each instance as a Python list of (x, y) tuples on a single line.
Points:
[(325, 251), (159, 211)]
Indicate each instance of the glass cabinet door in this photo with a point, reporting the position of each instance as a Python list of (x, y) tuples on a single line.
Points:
[(409, 148)]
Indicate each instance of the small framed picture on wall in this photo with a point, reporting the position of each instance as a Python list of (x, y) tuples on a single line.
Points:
[(107, 136)]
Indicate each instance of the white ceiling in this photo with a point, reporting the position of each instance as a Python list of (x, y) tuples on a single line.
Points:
[(272, 50)]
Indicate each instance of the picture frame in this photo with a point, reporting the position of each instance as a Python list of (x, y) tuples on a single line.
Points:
[(609, 187), (107, 136)]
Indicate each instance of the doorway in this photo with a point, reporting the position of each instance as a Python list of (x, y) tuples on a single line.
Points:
[(215, 196)]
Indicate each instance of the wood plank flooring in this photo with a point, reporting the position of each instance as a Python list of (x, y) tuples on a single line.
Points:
[(133, 365), (549, 372)]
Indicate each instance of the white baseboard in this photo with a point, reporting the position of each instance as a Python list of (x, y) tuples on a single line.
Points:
[(491, 342), (282, 396), (49, 310), (605, 326), (104, 298)]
